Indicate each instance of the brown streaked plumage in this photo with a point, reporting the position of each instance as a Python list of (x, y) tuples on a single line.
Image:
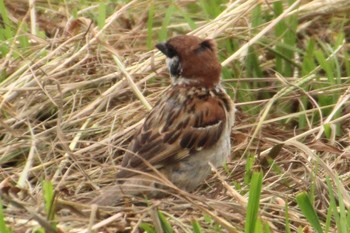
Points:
[(187, 128)]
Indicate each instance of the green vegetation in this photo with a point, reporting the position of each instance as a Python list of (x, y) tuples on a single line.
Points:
[(69, 71)]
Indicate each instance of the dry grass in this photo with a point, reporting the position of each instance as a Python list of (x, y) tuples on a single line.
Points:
[(69, 108)]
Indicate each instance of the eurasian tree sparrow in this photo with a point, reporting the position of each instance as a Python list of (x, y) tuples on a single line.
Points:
[(188, 127)]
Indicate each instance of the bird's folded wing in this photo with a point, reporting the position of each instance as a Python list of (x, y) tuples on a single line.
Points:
[(173, 131)]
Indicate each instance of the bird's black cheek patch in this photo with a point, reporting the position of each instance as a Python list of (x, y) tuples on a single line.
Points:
[(207, 44), (171, 51), (174, 66), (204, 46)]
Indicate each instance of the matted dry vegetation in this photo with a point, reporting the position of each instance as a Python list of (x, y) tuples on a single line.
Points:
[(69, 106)]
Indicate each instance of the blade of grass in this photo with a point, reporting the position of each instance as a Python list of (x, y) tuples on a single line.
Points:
[(188, 19), (49, 196), (164, 222), (253, 202), (163, 34), (211, 8), (308, 210), (150, 30), (257, 17), (344, 227), (280, 29), (267, 228), (7, 31), (287, 227), (242, 49), (347, 63), (3, 227), (325, 65), (196, 227), (147, 227), (281, 93), (248, 169), (101, 15)]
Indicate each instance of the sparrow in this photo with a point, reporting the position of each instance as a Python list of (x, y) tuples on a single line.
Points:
[(188, 128)]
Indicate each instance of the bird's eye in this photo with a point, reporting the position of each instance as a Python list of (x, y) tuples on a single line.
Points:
[(171, 52)]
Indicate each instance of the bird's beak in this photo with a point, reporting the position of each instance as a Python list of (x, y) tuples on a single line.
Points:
[(163, 48)]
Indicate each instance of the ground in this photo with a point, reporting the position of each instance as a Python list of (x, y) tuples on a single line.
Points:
[(69, 107)]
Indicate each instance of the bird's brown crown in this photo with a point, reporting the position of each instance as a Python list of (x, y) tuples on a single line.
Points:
[(192, 59)]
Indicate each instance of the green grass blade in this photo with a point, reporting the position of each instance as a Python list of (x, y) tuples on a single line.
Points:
[(332, 203), (287, 218), (248, 169), (309, 63), (211, 8), (147, 227), (285, 31), (101, 15), (49, 196), (344, 227), (327, 130), (267, 228), (328, 219), (279, 31), (165, 224), (257, 19), (309, 212), (347, 63), (7, 32), (258, 226), (163, 34), (253, 68), (3, 227), (325, 65), (196, 227), (188, 20), (253, 202), (150, 21)]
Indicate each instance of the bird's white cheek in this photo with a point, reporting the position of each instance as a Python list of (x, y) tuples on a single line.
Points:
[(168, 62)]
